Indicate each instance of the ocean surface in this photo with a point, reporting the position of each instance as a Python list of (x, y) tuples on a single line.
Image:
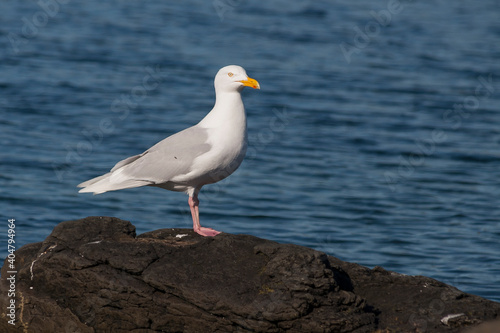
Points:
[(375, 137)]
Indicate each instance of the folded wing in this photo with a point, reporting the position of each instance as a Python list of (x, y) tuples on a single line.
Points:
[(171, 157)]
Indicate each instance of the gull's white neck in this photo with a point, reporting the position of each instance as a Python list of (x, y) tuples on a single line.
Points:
[(228, 111)]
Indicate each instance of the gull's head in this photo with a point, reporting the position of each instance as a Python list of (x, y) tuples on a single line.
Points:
[(233, 78)]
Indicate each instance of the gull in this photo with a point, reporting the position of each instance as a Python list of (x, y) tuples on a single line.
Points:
[(199, 155)]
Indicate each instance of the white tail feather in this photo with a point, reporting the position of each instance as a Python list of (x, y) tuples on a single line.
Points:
[(103, 184)]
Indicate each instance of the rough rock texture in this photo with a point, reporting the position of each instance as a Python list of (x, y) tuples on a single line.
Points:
[(95, 275)]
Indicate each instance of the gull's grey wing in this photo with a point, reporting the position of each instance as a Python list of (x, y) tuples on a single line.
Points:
[(168, 158), (126, 161)]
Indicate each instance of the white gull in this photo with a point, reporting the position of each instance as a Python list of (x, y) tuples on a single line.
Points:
[(202, 154)]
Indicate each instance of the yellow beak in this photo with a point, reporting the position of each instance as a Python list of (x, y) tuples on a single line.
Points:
[(249, 82)]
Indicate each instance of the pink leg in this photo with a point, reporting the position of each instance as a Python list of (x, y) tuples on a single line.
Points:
[(195, 212)]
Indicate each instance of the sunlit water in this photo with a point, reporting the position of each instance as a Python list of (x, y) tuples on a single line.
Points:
[(375, 136)]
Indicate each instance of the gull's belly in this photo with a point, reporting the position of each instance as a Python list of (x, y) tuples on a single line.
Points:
[(221, 163), (211, 167), (231, 162)]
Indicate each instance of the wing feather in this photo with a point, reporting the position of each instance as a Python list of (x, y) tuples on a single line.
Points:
[(167, 159)]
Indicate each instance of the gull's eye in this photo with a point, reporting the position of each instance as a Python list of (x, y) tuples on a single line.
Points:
[(230, 74)]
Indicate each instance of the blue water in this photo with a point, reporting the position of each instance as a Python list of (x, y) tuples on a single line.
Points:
[(375, 136)]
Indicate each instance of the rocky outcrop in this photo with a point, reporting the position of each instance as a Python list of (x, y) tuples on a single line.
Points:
[(96, 275)]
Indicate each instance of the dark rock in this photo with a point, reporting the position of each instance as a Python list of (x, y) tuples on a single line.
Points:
[(95, 275)]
